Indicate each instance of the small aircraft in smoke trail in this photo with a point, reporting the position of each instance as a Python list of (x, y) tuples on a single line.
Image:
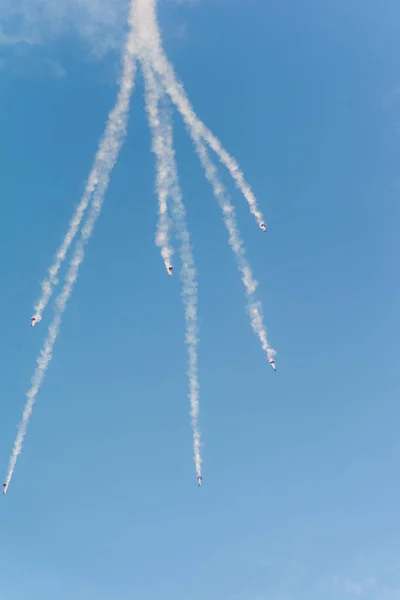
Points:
[(33, 321), (263, 226), (272, 363), (199, 480), (170, 269), (4, 489)]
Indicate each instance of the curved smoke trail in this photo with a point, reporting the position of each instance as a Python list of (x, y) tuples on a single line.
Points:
[(236, 243), (150, 37), (144, 42)]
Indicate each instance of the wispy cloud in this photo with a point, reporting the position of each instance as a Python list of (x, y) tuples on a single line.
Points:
[(367, 588), (296, 581), (54, 67), (24, 64), (353, 588), (100, 23)]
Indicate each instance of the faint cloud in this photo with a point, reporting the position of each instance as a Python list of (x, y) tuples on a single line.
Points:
[(292, 579), (289, 568), (54, 67), (295, 567), (21, 64), (349, 587), (353, 588), (180, 32), (100, 23), (186, 2), (394, 566), (364, 587), (177, 29), (391, 99), (11, 39)]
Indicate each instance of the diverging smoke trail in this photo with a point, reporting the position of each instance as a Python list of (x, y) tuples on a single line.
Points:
[(236, 243), (164, 175), (117, 127), (150, 34), (104, 161), (151, 46), (161, 127)]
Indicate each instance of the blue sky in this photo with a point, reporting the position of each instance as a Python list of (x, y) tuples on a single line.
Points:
[(301, 489)]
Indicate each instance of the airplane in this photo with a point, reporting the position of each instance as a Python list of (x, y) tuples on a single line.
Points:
[(170, 269), (4, 489), (272, 363), (263, 226), (200, 480), (33, 321)]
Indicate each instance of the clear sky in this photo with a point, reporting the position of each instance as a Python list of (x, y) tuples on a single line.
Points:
[(301, 468)]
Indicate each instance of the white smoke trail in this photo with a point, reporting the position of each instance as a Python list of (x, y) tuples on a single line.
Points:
[(163, 177), (236, 243), (161, 127), (116, 129), (151, 39), (51, 280), (105, 158)]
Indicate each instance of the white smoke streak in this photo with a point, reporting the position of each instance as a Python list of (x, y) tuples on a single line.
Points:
[(162, 166), (236, 243), (51, 280), (111, 145), (144, 42), (151, 39), (161, 127)]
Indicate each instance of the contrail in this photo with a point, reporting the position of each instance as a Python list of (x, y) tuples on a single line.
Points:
[(111, 145), (105, 158), (163, 166), (51, 279), (236, 243), (150, 31), (150, 40), (144, 43), (161, 127)]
